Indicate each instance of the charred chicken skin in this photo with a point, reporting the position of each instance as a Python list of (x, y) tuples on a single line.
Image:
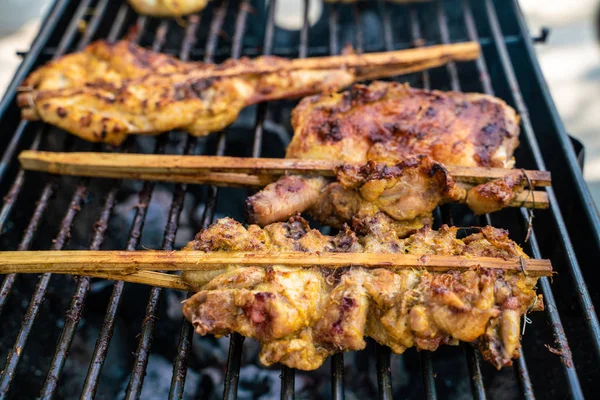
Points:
[(168, 8), (406, 194), (300, 316), (387, 123), (108, 91)]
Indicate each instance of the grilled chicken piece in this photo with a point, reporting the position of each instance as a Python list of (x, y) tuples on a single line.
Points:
[(496, 194), (389, 122), (168, 8), (300, 316), (406, 194), (287, 196), (108, 91)]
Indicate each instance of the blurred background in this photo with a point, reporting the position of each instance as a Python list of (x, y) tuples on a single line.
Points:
[(570, 59)]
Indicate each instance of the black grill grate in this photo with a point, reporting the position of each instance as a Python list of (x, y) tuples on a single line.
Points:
[(572, 373)]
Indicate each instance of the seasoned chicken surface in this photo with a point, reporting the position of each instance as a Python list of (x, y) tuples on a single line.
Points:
[(302, 315), (496, 194), (389, 122), (168, 8), (405, 194), (108, 91)]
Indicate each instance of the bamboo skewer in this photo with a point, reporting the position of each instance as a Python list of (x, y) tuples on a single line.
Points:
[(367, 66), (238, 171), (138, 266), (130, 165), (85, 262), (152, 278)]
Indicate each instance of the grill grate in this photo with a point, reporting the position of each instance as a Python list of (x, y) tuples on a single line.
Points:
[(449, 21)]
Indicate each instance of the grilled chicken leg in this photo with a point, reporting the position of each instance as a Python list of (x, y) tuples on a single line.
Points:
[(108, 91), (406, 194), (388, 123)]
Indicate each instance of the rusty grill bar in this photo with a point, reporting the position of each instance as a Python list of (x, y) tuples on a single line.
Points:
[(484, 25)]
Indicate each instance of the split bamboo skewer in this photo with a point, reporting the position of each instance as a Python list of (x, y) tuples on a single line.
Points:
[(238, 171), (84, 262), (367, 66), (441, 54), (138, 266), (78, 163)]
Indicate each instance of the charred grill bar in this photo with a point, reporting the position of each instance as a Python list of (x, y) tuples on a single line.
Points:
[(484, 22)]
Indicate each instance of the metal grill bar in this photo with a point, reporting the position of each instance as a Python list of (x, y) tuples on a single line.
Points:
[(303, 48), (425, 356), (234, 356), (384, 373), (185, 336), (388, 39), (360, 35), (58, 9), (337, 376), (551, 309), (445, 36), (473, 359), (558, 331), (98, 357), (333, 29), (134, 389), (9, 201), (39, 294), (428, 377), (383, 369), (75, 205), (288, 374), (474, 364), (472, 356), (15, 190), (587, 306), (78, 300), (180, 365), (417, 37)]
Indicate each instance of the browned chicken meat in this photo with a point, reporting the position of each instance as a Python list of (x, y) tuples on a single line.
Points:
[(387, 122), (300, 316), (496, 194), (168, 8), (406, 194), (108, 91)]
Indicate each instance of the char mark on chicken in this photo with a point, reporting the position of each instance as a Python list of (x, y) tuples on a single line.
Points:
[(390, 122)]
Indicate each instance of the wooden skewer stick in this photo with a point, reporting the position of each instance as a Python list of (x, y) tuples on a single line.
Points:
[(152, 278), (435, 55), (87, 262), (168, 281), (200, 168), (367, 66)]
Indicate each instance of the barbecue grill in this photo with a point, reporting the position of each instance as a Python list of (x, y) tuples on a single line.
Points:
[(42, 317)]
